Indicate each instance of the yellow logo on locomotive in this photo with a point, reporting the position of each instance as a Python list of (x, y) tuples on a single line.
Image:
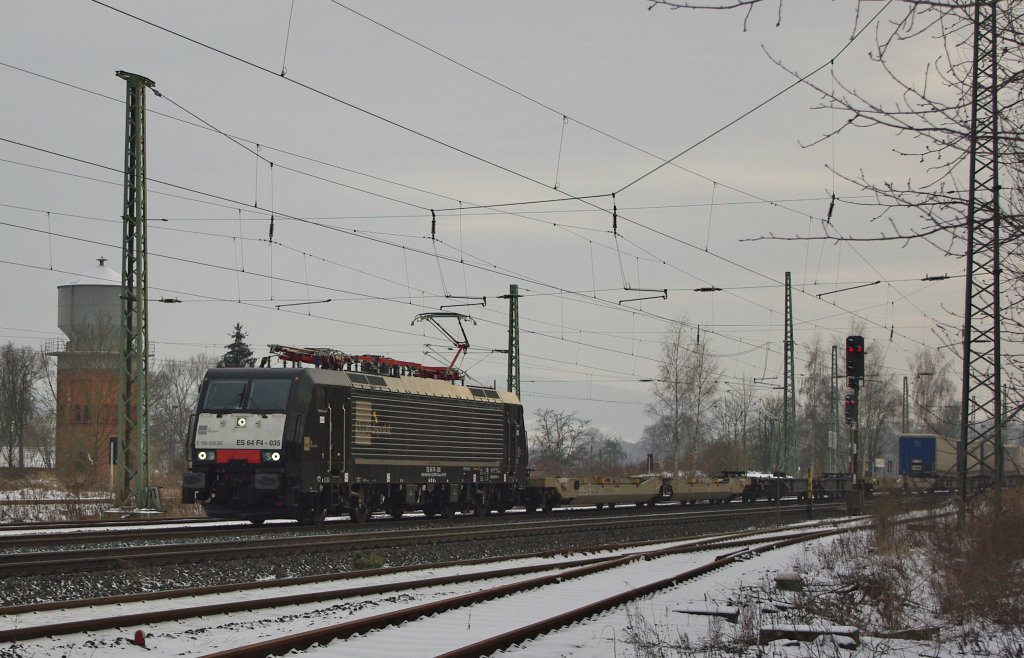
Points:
[(367, 423)]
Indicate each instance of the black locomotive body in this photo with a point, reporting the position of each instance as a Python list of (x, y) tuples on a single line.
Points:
[(305, 443)]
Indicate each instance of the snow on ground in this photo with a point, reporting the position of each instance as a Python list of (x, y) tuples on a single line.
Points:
[(195, 637), (691, 615), (458, 628)]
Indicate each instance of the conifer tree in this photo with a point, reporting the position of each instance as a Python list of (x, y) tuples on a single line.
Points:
[(239, 354)]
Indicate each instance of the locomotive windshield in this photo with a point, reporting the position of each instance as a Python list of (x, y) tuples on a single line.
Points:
[(248, 394)]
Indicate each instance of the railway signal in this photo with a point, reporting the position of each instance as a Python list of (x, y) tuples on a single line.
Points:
[(854, 360), (851, 409)]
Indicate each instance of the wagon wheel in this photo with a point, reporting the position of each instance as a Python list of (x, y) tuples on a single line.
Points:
[(318, 516), (257, 520), (360, 514), (481, 509), (430, 511), (599, 506), (448, 511), (396, 512)]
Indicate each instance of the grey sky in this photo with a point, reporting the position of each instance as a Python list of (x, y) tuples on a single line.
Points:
[(657, 79)]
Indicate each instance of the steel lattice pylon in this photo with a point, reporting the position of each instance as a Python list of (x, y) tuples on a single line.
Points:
[(833, 448), (513, 338), (980, 427), (132, 417), (789, 386)]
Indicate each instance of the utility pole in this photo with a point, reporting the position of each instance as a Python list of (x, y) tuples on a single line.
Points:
[(513, 338), (981, 335), (789, 386), (133, 417)]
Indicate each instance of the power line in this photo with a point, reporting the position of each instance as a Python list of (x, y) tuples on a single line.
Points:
[(211, 127), (799, 81)]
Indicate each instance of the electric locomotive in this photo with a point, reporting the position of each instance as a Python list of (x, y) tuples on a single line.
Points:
[(305, 443)]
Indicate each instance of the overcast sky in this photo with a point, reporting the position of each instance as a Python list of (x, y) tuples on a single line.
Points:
[(387, 111)]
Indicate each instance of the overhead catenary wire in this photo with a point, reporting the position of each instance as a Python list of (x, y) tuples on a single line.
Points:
[(363, 234), (467, 153), (80, 88), (732, 122), (594, 286)]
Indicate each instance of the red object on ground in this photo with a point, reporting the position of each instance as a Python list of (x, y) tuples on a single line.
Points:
[(140, 638)]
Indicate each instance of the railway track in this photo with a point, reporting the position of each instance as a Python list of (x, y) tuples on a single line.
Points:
[(484, 580), (133, 557), (23, 502), (90, 532), (98, 525)]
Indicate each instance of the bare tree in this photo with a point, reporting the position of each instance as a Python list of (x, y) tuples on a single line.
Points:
[(880, 406), (934, 394), (173, 394), (930, 117), (735, 417), (767, 434), (20, 369), (602, 454), (688, 379), (815, 421), (558, 441)]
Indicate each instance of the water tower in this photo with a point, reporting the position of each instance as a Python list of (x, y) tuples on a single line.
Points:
[(88, 312)]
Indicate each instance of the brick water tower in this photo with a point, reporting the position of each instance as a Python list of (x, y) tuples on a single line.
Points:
[(88, 308)]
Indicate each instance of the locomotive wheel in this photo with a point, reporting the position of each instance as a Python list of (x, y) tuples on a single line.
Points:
[(318, 515), (599, 506), (360, 514), (257, 521), (640, 505), (652, 503), (611, 505)]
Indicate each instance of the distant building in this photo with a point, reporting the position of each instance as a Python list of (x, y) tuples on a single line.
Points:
[(88, 362)]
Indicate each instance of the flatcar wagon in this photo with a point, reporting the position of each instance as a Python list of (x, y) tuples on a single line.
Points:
[(305, 443)]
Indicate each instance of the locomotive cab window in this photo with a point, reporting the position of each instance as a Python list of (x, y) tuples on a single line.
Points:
[(268, 394), (321, 398), (254, 395), (225, 394)]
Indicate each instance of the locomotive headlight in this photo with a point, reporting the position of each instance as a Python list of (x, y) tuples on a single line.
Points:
[(271, 456), (206, 455)]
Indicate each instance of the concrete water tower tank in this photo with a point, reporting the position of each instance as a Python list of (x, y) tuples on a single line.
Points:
[(89, 309)]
